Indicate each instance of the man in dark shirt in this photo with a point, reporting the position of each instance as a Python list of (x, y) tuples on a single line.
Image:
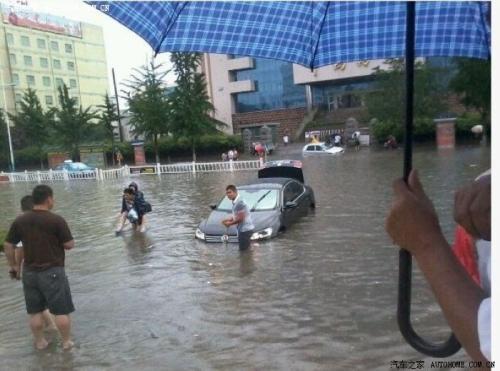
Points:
[(45, 237)]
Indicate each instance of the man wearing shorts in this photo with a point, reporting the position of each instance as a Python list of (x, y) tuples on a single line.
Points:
[(241, 217), (45, 237)]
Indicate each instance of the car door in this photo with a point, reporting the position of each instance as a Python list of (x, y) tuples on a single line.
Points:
[(292, 194)]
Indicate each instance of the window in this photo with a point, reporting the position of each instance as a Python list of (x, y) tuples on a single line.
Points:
[(71, 66), (44, 62), (54, 45), (56, 63), (310, 148), (292, 191), (19, 98), (49, 100), (30, 79), (13, 59), (15, 78), (41, 43), (28, 61), (59, 82), (25, 41), (46, 81), (72, 83), (10, 39), (68, 48)]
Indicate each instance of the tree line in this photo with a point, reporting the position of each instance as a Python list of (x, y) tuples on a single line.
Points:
[(184, 113)]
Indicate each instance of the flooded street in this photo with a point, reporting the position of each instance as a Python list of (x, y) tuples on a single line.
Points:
[(321, 296)]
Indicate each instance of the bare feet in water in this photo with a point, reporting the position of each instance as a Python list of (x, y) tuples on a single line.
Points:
[(41, 344), (68, 345)]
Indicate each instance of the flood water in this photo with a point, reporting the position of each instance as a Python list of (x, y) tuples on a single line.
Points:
[(321, 296)]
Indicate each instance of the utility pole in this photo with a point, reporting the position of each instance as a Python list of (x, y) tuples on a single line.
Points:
[(117, 107)]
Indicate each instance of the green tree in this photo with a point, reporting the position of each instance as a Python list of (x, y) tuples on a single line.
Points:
[(191, 107), (71, 123), (107, 117), (148, 105), (31, 124), (473, 83), (387, 102)]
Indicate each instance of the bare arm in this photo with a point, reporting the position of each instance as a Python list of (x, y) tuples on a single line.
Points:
[(19, 255), (413, 225), (458, 296), (69, 245), (10, 254)]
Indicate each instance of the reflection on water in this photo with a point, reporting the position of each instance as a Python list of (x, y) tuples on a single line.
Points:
[(322, 296)]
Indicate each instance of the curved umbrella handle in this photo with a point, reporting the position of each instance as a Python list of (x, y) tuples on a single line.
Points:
[(446, 349), (451, 346)]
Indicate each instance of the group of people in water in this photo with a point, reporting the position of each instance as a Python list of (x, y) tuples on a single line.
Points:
[(231, 155)]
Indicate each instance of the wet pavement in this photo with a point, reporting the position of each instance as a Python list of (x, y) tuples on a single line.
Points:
[(321, 296)]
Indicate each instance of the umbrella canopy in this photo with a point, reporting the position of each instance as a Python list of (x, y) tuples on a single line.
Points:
[(312, 34)]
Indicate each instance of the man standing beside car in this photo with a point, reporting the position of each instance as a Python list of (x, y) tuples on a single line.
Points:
[(241, 218)]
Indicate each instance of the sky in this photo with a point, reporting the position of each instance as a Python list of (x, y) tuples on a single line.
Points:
[(124, 49)]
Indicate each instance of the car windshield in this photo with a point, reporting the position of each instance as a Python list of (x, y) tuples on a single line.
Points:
[(256, 199)]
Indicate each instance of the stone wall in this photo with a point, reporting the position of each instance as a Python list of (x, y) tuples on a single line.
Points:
[(285, 118)]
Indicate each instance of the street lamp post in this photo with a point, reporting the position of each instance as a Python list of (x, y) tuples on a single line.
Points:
[(12, 163)]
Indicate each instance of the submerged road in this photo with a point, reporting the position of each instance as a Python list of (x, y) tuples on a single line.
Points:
[(322, 296)]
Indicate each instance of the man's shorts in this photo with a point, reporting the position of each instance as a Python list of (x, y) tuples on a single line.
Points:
[(47, 289), (244, 239)]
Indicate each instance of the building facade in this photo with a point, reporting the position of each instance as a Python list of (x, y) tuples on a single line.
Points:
[(248, 93), (41, 52)]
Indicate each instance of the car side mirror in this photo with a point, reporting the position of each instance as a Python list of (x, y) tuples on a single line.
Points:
[(213, 206), (291, 205)]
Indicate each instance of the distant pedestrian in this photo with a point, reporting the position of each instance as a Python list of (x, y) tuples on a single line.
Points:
[(235, 154), (391, 143), (285, 140), (119, 158), (230, 155), (337, 140), (224, 156), (45, 237), (241, 218), (355, 140)]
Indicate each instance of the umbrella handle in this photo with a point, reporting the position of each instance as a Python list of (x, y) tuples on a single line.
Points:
[(445, 349), (451, 346)]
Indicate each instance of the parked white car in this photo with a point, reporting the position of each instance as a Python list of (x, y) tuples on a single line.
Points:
[(321, 148)]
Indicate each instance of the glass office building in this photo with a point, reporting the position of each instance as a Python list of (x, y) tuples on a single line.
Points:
[(274, 87)]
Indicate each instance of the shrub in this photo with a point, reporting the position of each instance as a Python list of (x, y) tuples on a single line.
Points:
[(381, 130)]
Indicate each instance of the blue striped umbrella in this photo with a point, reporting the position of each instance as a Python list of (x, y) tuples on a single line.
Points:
[(316, 34), (312, 34)]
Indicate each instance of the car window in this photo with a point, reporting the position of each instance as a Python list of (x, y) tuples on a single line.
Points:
[(259, 199), (318, 148), (310, 148), (292, 191)]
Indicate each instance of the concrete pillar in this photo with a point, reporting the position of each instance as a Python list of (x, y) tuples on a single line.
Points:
[(445, 132), (139, 155)]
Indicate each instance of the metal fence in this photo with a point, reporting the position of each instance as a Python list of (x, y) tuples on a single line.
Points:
[(125, 171)]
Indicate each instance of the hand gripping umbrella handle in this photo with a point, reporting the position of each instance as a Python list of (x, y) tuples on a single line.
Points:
[(451, 346)]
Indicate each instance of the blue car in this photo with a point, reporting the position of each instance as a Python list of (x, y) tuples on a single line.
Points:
[(74, 167), (277, 199)]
